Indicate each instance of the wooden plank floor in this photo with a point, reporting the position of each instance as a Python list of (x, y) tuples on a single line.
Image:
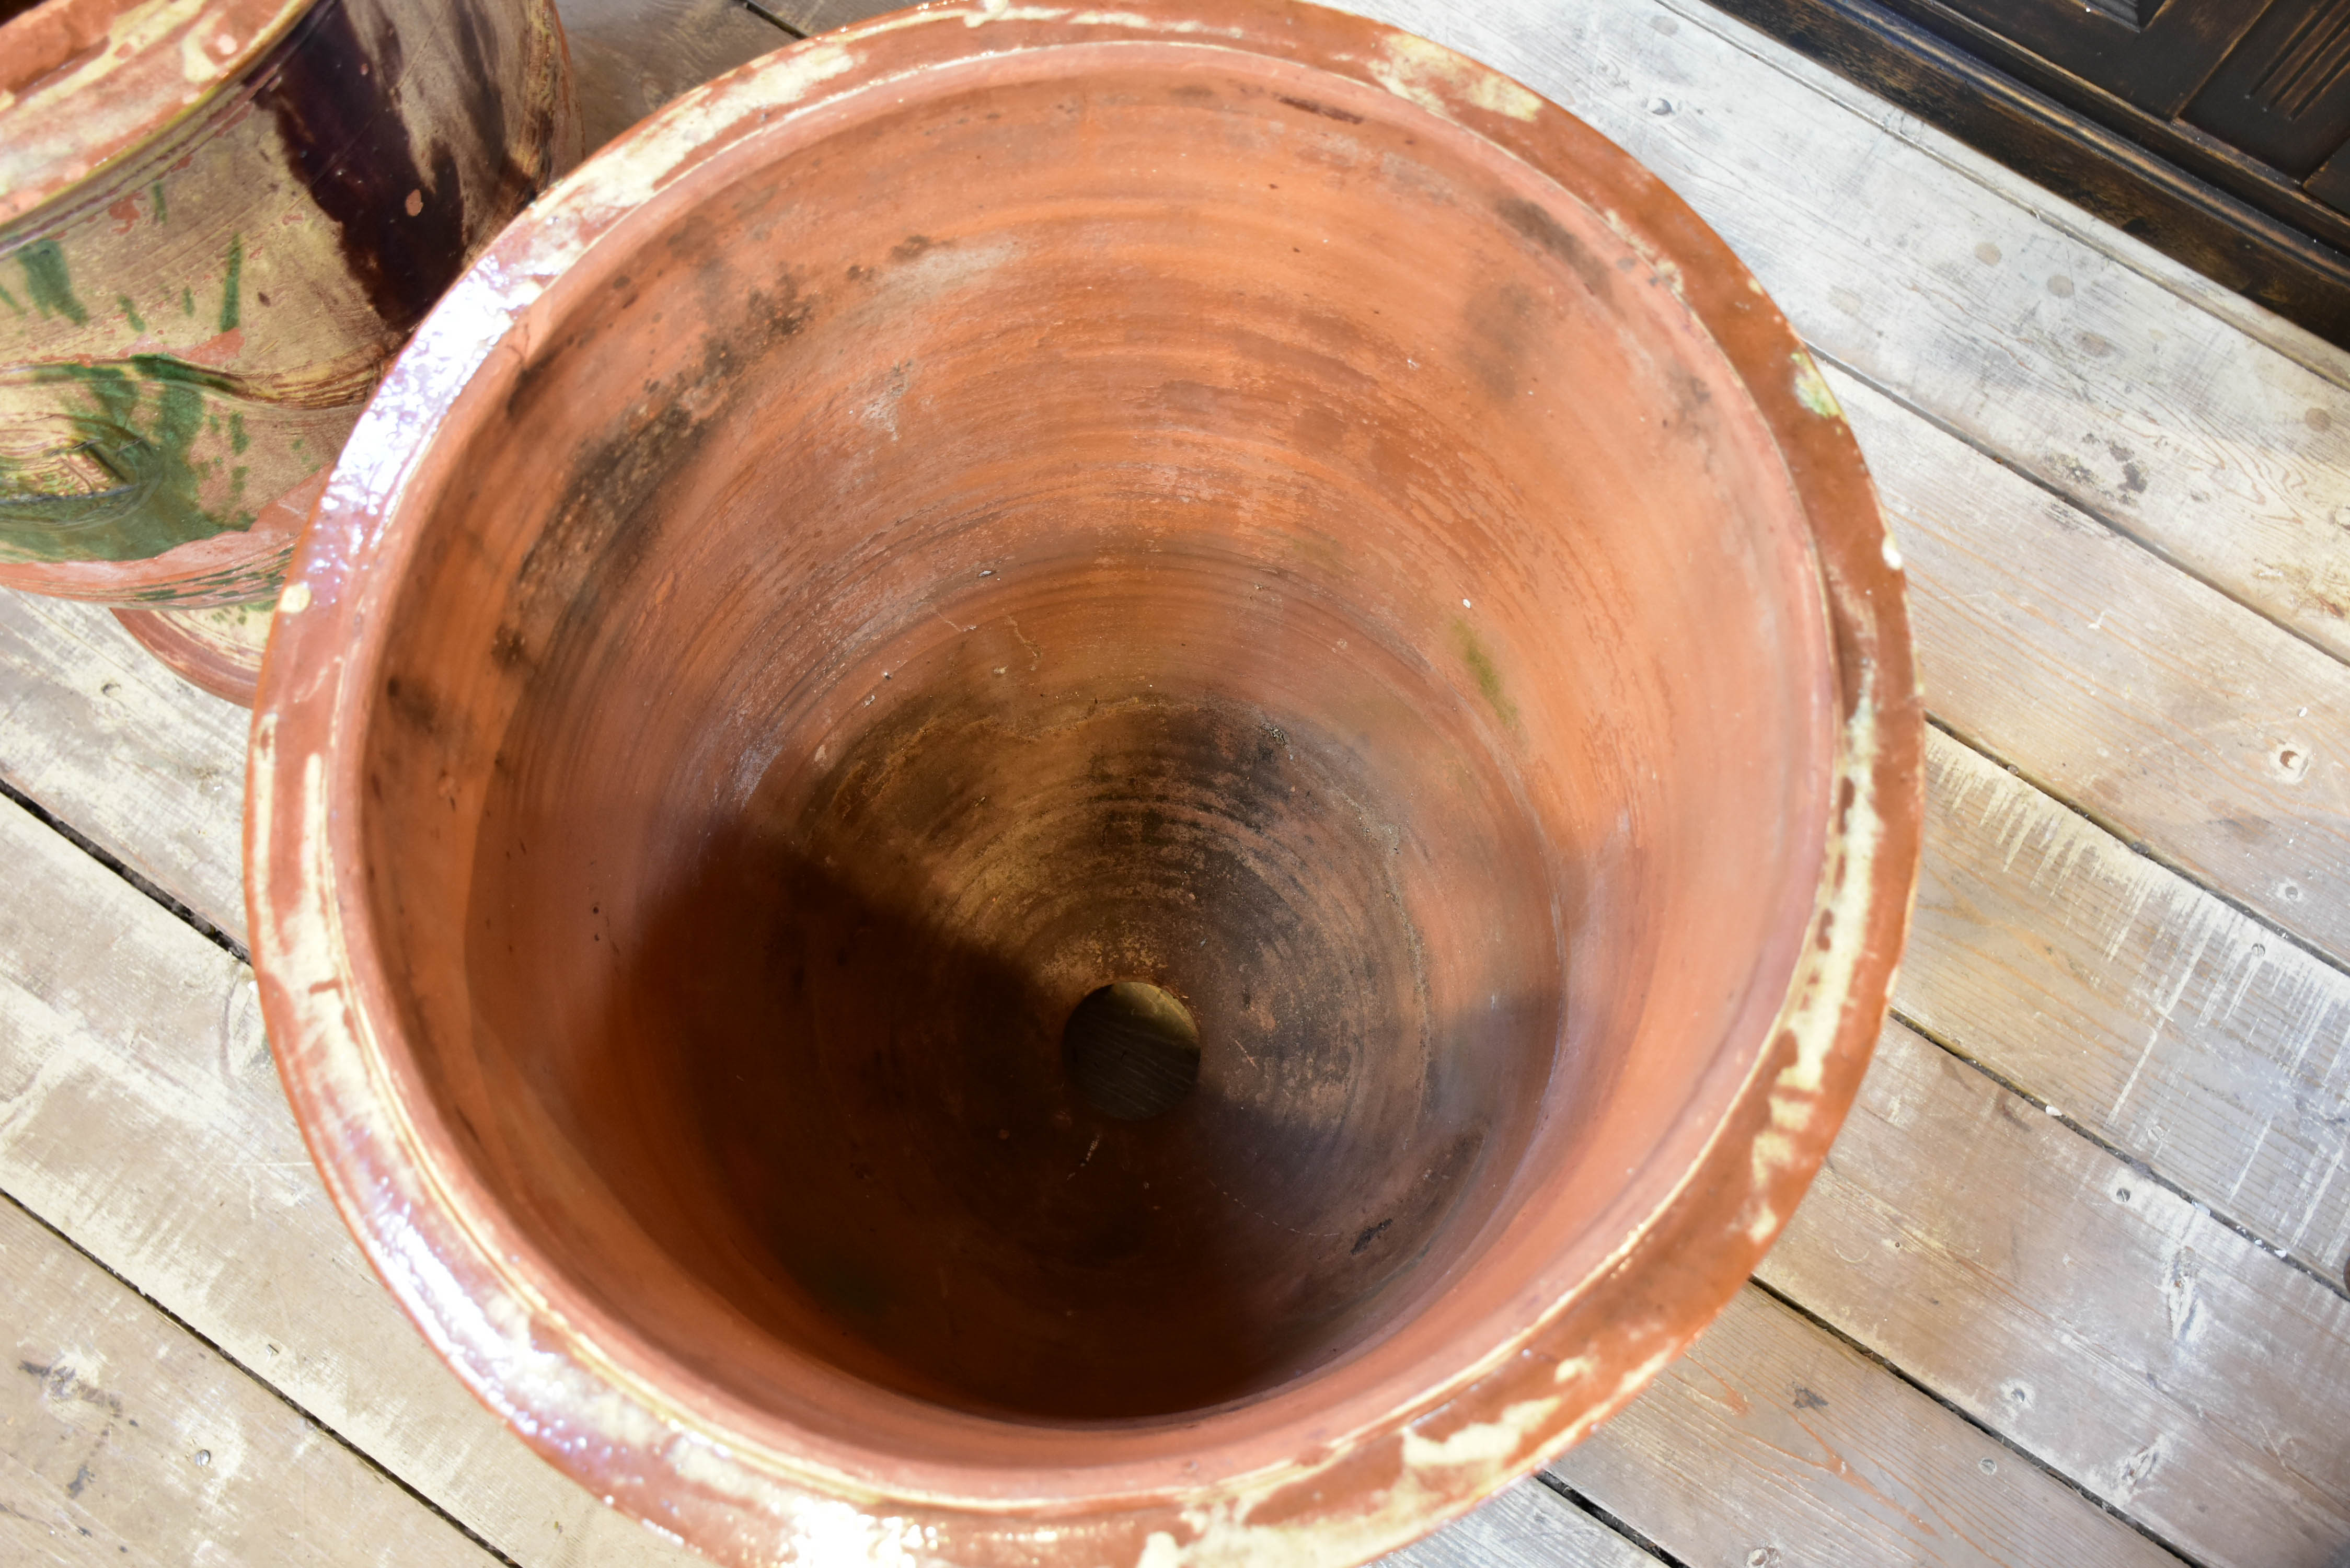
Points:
[(2072, 1288)]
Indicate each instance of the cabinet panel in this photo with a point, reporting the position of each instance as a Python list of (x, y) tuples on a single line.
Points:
[(2330, 184), (2283, 93), (2150, 53)]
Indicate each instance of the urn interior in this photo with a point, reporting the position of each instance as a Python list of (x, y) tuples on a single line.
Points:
[(1181, 523)]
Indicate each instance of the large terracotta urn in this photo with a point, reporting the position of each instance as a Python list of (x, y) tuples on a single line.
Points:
[(218, 221), (1084, 786)]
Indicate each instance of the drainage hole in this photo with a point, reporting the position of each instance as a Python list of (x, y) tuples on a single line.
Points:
[(1132, 1050)]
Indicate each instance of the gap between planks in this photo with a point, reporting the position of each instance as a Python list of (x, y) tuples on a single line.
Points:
[(128, 1440), (2177, 1031), (1775, 1438), (2319, 1277), (179, 911), (2092, 1317)]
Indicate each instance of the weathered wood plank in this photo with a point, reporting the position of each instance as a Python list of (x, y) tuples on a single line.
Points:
[(2181, 1032), (1772, 1442), (2256, 321), (2118, 683), (123, 1438), (1528, 1525), (2075, 353), (2092, 1317), (141, 1115), (105, 738)]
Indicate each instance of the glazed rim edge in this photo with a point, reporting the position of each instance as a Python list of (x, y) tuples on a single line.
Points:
[(1537, 1389)]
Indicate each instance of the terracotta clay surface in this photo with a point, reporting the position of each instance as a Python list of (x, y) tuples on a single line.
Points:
[(218, 221), (995, 503), (217, 648)]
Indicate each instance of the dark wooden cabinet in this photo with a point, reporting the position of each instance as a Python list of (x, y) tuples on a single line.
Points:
[(2218, 130), (2283, 94), (2150, 53)]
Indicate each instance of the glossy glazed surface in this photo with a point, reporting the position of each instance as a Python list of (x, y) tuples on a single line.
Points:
[(975, 509), (220, 223)]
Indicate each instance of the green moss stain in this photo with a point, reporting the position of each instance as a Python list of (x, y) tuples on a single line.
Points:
[(129, 313), (187, 302), (232, 306), (237, 440), (47, 280), (1488, 675), (162, 208)]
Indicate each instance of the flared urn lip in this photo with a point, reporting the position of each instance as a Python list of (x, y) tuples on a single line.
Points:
[(114, 91), (1276, 1478)]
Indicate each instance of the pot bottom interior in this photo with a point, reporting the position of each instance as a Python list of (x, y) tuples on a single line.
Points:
[(1068, 1022)]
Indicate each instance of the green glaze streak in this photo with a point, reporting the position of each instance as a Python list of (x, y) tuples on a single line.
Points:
[(144, 417), (231, 307), (179, 372), (11, 302), (187, 302), (162, 210), (129, 313), (47, 280), (1489, 678), (237, 440)]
